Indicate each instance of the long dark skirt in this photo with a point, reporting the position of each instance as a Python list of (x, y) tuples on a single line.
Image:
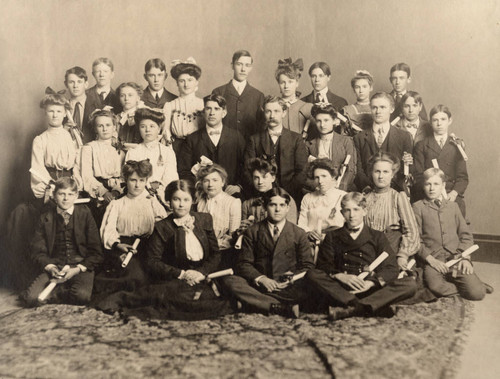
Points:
[(174, 300)]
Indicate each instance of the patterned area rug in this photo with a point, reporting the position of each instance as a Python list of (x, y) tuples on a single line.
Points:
[(62, 341)]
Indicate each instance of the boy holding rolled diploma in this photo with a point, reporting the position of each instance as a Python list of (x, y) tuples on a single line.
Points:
[(445, 235), (339, 277), (66, 246)]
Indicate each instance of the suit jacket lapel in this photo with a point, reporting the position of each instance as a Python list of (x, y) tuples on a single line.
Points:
[(231, 91), (208, 143), (198, 232), (266, 239), (224, 137), (265, 142), (314, 147), (370, 141), (285, 142), (433, 145), (50, 229)]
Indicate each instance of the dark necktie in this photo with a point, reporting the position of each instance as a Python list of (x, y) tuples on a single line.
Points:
[(157, 97), (438, 203), (76, 115), (318, 98), (102, 95), (66, 216), (276, 233)]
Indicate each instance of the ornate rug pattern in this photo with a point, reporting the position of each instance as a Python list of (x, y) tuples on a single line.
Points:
[(62, 341)]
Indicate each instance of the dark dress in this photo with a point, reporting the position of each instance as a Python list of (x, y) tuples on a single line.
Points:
[(170, 297)]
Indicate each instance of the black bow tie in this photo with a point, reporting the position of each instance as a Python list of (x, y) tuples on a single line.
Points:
[(354, 230)]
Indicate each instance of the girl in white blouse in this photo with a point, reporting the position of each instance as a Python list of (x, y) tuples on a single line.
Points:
[(183, 115), (162, 158), (127, 218)]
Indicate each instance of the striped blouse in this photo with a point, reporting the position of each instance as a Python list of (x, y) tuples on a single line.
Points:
[(391, 210)]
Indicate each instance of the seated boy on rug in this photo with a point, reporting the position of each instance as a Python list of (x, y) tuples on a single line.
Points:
[(67, 248), (344, 254), (445, 234), (273, 249)]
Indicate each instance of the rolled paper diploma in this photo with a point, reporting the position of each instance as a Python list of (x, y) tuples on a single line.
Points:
[(344, 169), (306, 128), (131, 253), (239, 241), (462, 151), (341, 117), (218, 274), (311, 158), (406, 169), (82, 200), (50, 287), (464, 255), (298, 277), (395, 121), (410, 265), (374, 265)]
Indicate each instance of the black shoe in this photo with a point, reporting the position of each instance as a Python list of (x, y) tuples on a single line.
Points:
[(285, 310), (489, 289), (339, 313)]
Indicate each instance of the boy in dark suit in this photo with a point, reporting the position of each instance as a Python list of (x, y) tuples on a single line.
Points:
[(66, 246), (400, 77), (76, 81), (155, 95), (280, 146), (244, 102), (101, 95), (381, 136), (273, 250), (320, 75), (445, 234), (442, 147), (222, 145), (344, 254), (411, 121)]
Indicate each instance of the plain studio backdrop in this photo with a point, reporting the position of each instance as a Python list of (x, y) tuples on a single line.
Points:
[(452, 47)]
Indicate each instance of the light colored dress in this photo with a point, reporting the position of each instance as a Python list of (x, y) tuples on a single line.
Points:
[(130, 216), (183, 116), (317, 209), (226, 214), (390, 211), (100, 159), (54, 149)]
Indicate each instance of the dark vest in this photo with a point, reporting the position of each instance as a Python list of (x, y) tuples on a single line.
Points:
[(65, 250)]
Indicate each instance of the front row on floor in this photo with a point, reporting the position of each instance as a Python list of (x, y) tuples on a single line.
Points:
[(168, 275)]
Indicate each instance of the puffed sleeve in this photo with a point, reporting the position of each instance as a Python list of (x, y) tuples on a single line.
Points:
[(170, 166), (167, 111), (40, 177), (303, 215), (234, 215), (410, 242), (109, 234)]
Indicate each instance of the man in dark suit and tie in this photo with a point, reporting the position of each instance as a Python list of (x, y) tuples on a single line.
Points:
[(217, 142), (244, 102), (281, 146), (272, 251), (400, 77), (155, 95), (382, 136)]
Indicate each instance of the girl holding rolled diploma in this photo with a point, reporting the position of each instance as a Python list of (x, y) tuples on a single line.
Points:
[(126, 219), (445, 235), (53, 155), (332, 145), (162, 158), (320, 210), (340, 277), (101, 162), (448, 151), (389, 211), (180, 254)]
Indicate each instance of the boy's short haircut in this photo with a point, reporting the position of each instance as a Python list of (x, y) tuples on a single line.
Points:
[(383, 95), (323, 66), (143, 169), (439, 108), (357, 197), (262, 166), (102, 113), (430, 172), (414, 95), (276, 191), (401, 67), (216, 98), (106, 61), (384, 156), (55, 99), (323, 164), (155, 63), (149, 114), (133, 85), (78, 71), (180, 185), (274, 99), (362, 74), (66, 183), (241, 53)]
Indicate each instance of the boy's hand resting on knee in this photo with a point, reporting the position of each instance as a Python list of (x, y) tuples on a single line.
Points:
[(269, 284), (465, 267), (402, 263), (193, 277), (355, 283), (437, 264), (70, 273)]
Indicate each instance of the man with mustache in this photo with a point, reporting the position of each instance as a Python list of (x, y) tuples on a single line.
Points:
[(280, 146)]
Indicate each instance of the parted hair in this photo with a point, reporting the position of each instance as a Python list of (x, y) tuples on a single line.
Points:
[(241, 53), (326, 109), (155, 63), (401, 67), (106, 61), (142, 168), (324, 164), (149, 114), (440, 108), (383, 95), (414, 95), (430, 172), (78, 71), (261, 165), (357, 197), (362, 74), (185, 68), (133, 85), (274, 99), (276, 191), (217, 98), (55, 99), (179, 185), (102, 113), (384, 156), (323, 66)]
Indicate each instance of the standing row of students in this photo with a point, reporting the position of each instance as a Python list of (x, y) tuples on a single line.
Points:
[(238, 144)]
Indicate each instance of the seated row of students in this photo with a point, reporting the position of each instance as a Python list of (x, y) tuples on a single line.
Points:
[(183, 250)]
